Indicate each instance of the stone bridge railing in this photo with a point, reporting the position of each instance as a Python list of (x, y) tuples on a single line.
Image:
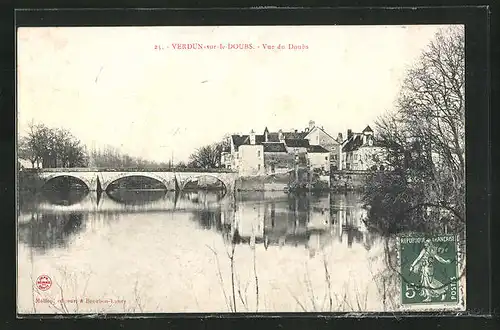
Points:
[(130, 169)]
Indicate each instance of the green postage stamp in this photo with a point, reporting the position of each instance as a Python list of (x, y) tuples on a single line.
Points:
[(430, 271)]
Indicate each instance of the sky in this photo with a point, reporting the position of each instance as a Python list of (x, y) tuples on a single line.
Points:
[(110, 86)]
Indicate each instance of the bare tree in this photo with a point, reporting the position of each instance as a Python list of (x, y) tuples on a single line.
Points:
[(208, 156), (424, 138), (112, 157), (52, 147), (26, 151)]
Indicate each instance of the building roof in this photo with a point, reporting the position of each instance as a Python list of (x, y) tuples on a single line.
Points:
[(258, 139), (353, 143), (295, 135), (294, 139), (297, 143), (273, 137), (239, 140), (274, 147), (356, 141), (367, 129), (317, 149), (321, 129)]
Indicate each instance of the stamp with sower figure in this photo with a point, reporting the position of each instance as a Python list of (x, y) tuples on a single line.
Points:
[(429, 270)]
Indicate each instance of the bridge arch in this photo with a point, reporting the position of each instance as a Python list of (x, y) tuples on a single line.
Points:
[(196, 177), (83, 179), (124, 175)]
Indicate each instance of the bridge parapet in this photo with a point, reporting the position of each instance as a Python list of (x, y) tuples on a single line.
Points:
[(155, 169)]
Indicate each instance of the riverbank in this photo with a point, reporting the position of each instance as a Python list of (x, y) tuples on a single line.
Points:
[(282, 182), (338, 181), (29, 182), (348, 180)]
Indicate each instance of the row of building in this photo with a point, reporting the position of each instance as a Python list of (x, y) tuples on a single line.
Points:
[(279, 152)]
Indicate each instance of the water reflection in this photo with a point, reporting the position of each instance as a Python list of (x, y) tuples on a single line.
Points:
[(269, 218), (282, 243), (136, 197), (65, 197), (44, 230), (310, 220)]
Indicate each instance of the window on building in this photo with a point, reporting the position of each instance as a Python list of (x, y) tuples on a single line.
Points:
[(258, 167), (272, 168), (326, 158), (258, 153)]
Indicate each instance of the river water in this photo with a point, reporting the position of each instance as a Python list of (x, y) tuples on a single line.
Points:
[(199, 251)]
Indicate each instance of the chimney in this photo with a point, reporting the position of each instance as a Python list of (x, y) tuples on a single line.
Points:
[(349, 133), (339, 138), (252, 137), (311, 124)]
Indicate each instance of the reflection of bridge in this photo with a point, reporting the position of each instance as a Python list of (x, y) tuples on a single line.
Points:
[(166, 202), (96, 179)]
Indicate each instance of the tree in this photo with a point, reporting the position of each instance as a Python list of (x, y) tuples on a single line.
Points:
[(26, 151), (424, 143), (209, 156), (52, 147), (112, 157), (205, 157)]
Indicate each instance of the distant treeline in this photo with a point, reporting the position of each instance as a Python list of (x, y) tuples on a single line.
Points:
[(47, 147), (111, 157)]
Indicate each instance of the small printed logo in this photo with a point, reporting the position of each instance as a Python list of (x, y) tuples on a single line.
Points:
[(43, 282)]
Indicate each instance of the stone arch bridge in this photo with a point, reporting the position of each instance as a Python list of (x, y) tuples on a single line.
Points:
[(96, 179)]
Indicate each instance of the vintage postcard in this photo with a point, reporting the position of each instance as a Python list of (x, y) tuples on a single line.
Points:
[(216, 169)]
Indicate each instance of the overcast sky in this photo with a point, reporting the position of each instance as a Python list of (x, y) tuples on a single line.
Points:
[(109, 86)]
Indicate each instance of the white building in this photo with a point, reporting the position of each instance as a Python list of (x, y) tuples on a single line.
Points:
[(318, 158), (24, 163), (317, 136), (277, 152), (360, 151)]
